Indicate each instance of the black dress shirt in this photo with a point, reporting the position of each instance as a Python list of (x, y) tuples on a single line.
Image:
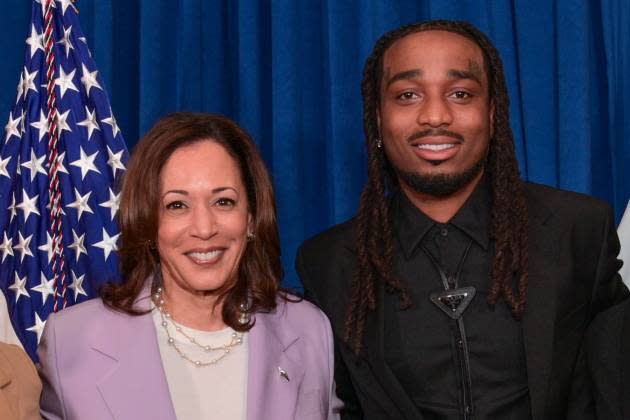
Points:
[(421, 342)]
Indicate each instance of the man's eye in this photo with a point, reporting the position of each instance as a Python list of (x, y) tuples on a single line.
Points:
[(406, 96), (460, 94), (175, 205)]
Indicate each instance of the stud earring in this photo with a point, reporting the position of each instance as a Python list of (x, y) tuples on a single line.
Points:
[(250, 236), (379, 143)]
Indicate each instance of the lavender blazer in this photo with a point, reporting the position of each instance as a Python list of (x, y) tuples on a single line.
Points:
[(99, 364)]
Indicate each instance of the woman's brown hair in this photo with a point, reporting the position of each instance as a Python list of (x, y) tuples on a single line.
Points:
[(259, 271)]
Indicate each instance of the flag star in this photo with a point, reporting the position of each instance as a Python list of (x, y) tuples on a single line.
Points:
[(19, 287), (43, 3), (77, 244), (41, 125), (65, 4), (81, 203), (115, 160), (77, 285), (48, 247), (113, 203), (24, 246), (45, 287), (6, 247), (38, 328), (20, 88), (28, 82), (89, 79), (66, 41), (12, 208), (108, 244), (60, 166), (61, 121), (22, 123), (64, 81), (35, 41), (17, 166), (112, 121), (86, 163), (90, 122), (3, 167), (35, 165), (11, 129), (28, 205)]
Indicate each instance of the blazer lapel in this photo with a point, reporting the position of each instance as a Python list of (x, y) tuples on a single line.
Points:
[(274, 371), (135, 386), (540, 315), (375, 354)]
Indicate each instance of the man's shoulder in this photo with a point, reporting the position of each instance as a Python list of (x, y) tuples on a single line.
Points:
[(544, 201), (332, 240)]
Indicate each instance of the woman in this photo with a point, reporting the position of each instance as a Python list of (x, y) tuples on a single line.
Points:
[(199, 328)]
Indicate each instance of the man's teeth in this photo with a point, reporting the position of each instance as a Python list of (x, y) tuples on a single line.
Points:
[(205, 256), (435, 147)]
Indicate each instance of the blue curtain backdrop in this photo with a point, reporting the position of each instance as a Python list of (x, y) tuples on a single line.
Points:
[(289, 72)]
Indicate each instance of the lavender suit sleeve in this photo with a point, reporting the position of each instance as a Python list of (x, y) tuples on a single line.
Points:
[(334, 404), (51, 403)]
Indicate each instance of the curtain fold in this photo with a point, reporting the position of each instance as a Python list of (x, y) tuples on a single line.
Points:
[(289, 72)]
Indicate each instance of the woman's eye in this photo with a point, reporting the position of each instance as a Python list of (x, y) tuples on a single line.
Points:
[(225, 202), (175, 205)]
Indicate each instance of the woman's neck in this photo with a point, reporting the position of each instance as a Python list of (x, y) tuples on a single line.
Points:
[(197, 311)]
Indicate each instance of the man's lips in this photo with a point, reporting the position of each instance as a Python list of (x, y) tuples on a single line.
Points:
[(436, 145)]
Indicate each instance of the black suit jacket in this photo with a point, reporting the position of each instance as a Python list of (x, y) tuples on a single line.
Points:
[(572, 276)]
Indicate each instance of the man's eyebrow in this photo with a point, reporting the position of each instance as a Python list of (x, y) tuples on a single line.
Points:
[(473, 72), (404, 75)]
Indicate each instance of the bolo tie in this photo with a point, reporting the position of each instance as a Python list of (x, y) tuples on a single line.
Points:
[(453, 301)]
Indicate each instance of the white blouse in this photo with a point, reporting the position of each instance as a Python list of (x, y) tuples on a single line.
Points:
[(216, 391)]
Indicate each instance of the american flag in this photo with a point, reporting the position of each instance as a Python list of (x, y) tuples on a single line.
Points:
[(58, 226)]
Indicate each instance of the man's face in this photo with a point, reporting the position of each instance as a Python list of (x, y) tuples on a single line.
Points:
[(435, 113)]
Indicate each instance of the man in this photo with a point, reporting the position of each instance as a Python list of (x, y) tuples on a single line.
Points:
[(458, 291)]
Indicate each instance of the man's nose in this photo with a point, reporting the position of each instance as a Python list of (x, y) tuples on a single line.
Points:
[(435, 112)]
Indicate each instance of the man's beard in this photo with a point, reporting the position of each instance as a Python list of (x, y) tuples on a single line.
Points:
[(440, 185)]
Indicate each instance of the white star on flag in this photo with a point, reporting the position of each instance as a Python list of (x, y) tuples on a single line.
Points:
[(112, 121), (112, 204), (64, 81), (12, 208), (86, 163), (77, 244), (89, 79), (3, 167), (24, 246), (11, 129), (47, 247), (38, 328), (41, 125), (35, 41), (28, 82), (28, 205), (66, 41), (90, 122), (81, 203), (108, 244), (60, 166), (19, 287), (35, 165), (65, 4), (6, 247), (45, 287), (115, 160), (77, 285), (61, 121)]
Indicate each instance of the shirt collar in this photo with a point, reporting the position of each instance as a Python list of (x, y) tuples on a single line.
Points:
[(410, 224)]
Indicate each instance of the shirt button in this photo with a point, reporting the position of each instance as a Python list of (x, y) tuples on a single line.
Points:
[(444, 231)]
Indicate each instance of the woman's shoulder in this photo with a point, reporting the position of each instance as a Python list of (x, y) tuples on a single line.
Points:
[(85, 315), (299, 312)]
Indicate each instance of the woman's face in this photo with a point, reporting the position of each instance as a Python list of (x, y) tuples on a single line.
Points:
[(203, 219)]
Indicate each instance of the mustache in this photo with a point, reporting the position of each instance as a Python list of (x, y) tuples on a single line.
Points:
[(433, 132)]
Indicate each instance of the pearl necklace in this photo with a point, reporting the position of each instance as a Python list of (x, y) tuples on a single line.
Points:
[(235, 340)]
